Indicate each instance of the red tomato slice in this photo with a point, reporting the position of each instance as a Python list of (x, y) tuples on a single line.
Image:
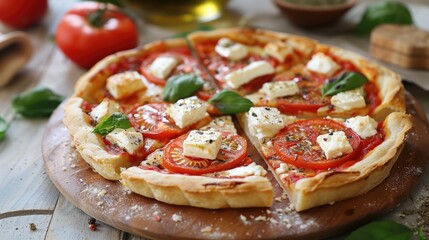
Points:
[(296, 144), (153, 122), (231, 154)]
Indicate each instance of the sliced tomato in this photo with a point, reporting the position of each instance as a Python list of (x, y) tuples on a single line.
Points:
[(296, 144), (309, 100), (153, 121), (257, 83), (187, 64), (231, 154)]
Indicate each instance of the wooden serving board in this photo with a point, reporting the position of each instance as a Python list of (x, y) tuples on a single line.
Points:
[(111, 203)]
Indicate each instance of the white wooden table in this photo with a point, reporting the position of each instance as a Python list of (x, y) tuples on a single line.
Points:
[(27, 195)]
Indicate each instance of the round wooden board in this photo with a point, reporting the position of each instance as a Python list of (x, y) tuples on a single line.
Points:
[(111, 203)]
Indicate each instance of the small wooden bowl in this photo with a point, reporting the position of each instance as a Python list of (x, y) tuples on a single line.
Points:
[(313, 16)]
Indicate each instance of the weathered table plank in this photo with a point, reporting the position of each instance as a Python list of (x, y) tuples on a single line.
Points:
[(19, 227)]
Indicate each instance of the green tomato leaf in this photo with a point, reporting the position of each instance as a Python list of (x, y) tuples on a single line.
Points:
[(114, 2), (3, 128), (382, 230), (346, 81), (181, 86), (39, 102), (116, 120), (230, 102), (383, 12), (186, 33)]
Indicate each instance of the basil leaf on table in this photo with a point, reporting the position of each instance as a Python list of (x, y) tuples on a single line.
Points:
[(383, 12), (3, 128), (382, 230), (346, 81), (116, 120), (230, 102), (181, 86), (40, 102)]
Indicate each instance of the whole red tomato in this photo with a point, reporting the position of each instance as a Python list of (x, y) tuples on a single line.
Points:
[(91, 31), (22, 13)]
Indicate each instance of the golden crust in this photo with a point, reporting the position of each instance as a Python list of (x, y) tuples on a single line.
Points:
[(329, 187), (200, 191), (89, 145), (253, 36)]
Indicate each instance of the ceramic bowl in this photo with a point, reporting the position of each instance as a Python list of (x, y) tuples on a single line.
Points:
[(313, 16)]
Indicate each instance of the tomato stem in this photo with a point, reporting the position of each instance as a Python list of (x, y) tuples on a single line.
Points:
[(96, 18)]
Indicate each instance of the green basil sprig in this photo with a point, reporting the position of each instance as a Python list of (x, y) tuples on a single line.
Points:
[(346, 81), (40, 102), (116, 120), (3, 128), (230, 102), (181, 86), (383, 12), (381, 230)]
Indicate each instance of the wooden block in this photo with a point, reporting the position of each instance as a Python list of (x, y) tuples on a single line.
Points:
[(404, 39), (398, 58)]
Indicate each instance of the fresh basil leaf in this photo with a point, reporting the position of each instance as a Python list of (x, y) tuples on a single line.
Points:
[(230, 102), (116, 120), (186, 33), (346, 81), (40, 102), (181, 86), (382, 230), (3, 128), (383, 12), (420, 234)]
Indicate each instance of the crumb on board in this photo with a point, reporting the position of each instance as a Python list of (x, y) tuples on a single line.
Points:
[(177, 218), (206, 229)]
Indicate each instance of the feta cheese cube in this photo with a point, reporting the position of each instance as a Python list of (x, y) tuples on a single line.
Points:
[(127, 139), (364, 126), (125, 84), (348, 100), (187, 111), (300, 46), (222, 123), (244, 75), (249, 170), (278, 50), (323, 64), (163, 66), (106, 108), (202, 144), (334, 144), (265, 121), (230, 49), (274, 90)]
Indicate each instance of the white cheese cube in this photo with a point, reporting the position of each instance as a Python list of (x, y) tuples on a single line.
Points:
[(334, 144), (106, 108), (265, 121), (349, 99), (127, 139), (244, 75), (230, 49), (163, 66), (364, 126), (125, 84), (300, 46), (202, 144), (323, 64), (249, 170), (187, 111), (274, 90), (278, 50)]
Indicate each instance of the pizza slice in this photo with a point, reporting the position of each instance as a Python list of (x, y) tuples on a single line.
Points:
[(206, 168), (244, 59), (322, 161), (334, 82)]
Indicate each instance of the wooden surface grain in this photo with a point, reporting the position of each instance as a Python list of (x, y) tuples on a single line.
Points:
[(27, 195)]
